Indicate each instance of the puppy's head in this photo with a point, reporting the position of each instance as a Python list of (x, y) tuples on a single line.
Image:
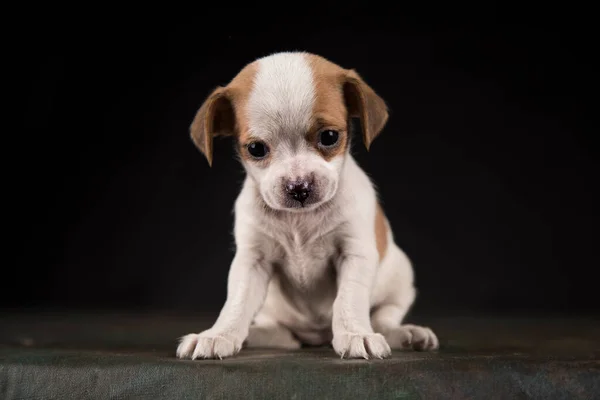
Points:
[(290, 114)]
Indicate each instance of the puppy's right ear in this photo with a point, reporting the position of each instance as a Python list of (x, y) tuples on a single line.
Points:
[(215, 117)]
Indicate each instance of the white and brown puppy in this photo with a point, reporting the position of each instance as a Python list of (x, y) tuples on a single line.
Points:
[(315, 258)]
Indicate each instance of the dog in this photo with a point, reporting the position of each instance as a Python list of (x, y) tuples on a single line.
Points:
[(315, 262)]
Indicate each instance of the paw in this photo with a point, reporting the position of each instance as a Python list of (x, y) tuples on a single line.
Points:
[(412, 337), (360, 345), (207, 345)]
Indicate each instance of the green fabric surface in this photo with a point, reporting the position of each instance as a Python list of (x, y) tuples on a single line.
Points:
[(132, 356)]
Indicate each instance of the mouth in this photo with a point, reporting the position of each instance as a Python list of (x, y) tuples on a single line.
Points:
[(307, 204)]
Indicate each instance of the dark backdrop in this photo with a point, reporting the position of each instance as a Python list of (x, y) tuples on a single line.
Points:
[(486, 168)]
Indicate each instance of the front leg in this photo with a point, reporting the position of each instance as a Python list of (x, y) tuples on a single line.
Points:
[(246, 289), (353, 336)]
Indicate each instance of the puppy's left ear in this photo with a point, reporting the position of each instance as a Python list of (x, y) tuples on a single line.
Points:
[(362, 102), (215, 117)]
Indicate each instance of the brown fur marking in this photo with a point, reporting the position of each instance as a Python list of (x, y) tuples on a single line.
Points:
[(380, 232), (329, 110), (240, 88), (340, 94), (363, 102), (224, 112)]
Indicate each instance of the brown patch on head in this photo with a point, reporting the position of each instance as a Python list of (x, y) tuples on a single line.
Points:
[(342, 94), (329, 105), (380, 232), (241, 87), (329, 110), (223, 113)]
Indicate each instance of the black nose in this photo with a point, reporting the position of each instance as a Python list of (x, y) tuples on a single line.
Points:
[(299, 190)]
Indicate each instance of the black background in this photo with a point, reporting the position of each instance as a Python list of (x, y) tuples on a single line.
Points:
[(486, 168)]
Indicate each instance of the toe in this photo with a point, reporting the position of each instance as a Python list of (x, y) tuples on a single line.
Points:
[(222, 347), (187, 344), (423, 338), (434, 343), (361, 346), (203, 348), (376, 346), (420, 338)]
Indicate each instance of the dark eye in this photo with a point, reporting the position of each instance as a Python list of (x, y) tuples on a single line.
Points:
[(257, 149), (328, 138)]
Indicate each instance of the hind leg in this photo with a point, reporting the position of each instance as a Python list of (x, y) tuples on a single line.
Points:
[(386, 320), (394, 294), (267, 333)]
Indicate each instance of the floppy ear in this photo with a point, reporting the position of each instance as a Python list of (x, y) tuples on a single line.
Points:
[(215, 117), (362, 102)]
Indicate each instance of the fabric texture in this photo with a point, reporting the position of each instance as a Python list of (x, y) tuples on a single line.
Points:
[(132, 357)]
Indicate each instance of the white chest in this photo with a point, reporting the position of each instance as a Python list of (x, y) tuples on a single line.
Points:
[(305, 263), (303, 249), (307, 283)]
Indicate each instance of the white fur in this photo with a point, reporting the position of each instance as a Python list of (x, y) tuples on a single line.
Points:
[(283, 95), (309, 274), (280, 112)]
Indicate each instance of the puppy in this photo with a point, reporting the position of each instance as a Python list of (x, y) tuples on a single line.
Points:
[(315, 260)]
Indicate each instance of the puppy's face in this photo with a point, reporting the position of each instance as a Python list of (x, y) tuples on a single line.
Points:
[(290, 113)]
